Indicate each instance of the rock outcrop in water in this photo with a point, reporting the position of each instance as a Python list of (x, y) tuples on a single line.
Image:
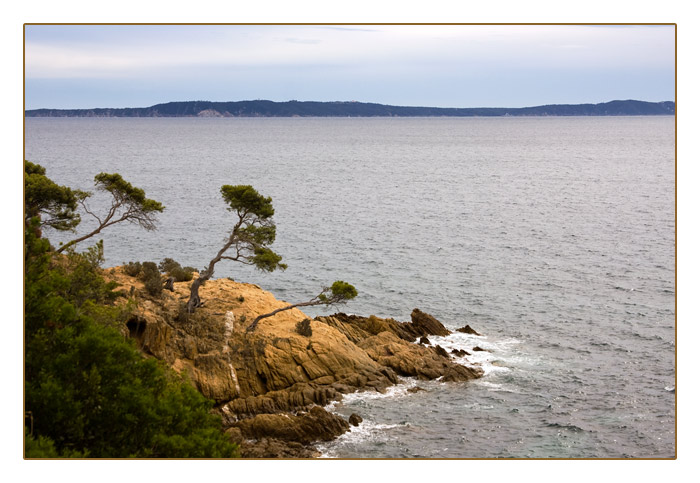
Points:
[(270, 385)]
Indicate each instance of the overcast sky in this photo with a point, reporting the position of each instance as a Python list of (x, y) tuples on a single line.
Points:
[(432, 65)]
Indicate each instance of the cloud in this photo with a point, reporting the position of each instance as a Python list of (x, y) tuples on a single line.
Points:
[(461, 65), (302, 41), (143, 50)]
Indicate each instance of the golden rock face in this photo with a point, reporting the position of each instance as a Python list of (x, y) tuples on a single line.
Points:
[(273, 376)]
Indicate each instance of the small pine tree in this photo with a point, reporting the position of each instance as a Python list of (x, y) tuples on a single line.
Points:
[(252, 233)]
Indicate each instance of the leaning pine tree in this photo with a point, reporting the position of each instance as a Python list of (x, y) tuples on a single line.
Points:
[(248, 241), (129, 203), (338, 293)]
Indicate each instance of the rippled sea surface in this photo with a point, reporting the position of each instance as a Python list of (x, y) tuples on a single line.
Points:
[(552, 237)]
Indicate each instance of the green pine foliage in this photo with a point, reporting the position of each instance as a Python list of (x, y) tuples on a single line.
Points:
[(53, 204), (151, 278), (90, 392)]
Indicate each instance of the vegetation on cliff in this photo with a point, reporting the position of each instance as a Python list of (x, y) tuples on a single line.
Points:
[(55, 206), (338, 293), (89, 392), (252, 232)]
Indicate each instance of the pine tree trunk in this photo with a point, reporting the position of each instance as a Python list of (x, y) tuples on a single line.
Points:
[(169, 284), (194, 300)]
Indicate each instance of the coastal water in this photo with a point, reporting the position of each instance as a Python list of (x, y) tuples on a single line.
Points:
[(552, 237)]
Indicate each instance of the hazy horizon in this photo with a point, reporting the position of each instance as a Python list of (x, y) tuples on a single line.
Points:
[(347, 101)]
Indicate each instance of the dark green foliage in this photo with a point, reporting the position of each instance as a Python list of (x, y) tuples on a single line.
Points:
[(339, 292), (168, 264), (52, 204), (173, 269), (151, 278), (181, 275), (90, 389), (149, 269), (128, 204), (90, 392), (86, 282), (147, 272), (266, 260), (45, 305), (132, 269), (253, 230), (304, 328), (44, 447), (244, 198), (134, 199)]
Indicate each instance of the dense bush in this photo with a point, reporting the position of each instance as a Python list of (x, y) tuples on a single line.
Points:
[(173, 269), (168, 264), (132, 269), (151, 278), (181, 275)]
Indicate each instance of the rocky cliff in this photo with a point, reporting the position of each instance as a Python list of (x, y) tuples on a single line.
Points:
[(270, 385)]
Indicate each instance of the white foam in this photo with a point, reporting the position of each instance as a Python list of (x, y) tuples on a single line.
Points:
[(395, 391), (487, 359), (366, 431)]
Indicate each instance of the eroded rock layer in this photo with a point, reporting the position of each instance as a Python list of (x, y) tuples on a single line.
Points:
[(270, 385)]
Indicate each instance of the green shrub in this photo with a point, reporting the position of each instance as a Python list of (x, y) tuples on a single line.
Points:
[(133, 269), (180, 274), (173, 269), (304, 328), (91, 393), (86, 282), (44, 447), (151, 278), (168, 264)]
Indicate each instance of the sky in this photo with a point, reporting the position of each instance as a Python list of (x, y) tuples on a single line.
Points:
[(89, 66)]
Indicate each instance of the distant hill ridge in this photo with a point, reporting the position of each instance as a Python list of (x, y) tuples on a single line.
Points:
[(261, 108)]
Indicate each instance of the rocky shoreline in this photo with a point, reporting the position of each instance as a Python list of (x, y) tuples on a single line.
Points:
[(270, 386)]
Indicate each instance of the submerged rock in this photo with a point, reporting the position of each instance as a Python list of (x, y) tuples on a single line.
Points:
[(416, 389), (468, 330), (355, 419)]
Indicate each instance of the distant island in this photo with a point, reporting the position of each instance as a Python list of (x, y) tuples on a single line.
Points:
[(262, 108)]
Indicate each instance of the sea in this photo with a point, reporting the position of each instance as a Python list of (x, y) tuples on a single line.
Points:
[(552, 237)]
